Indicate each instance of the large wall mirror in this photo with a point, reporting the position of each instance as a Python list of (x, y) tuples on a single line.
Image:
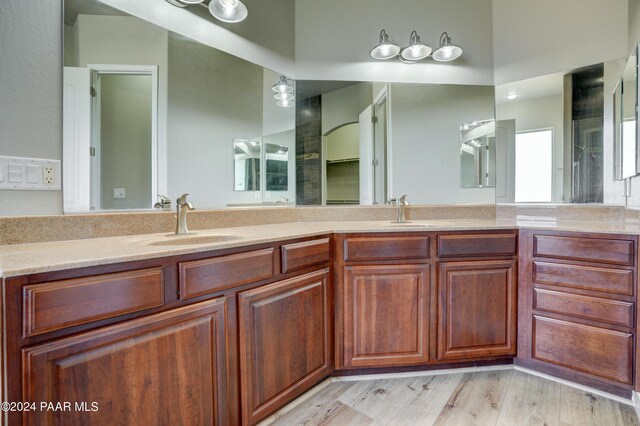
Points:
[(165, 112), (148, 111)]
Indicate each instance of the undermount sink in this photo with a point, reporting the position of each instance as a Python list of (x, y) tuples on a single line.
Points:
[(184, 240)]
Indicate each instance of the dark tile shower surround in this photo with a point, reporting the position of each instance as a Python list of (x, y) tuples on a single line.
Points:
[(587, 119), (309, 151)]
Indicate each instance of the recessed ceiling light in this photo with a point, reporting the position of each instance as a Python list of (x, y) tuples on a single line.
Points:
[(512, 95)]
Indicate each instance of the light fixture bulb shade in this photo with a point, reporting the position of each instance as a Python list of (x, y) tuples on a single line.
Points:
[(447, 50), (285, 104), (191, 1), (283, 85), (416, 50), (385, 49), (283, 96), (228, 10)]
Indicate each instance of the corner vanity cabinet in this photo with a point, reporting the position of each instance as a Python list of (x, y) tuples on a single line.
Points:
[(425, 298), (225, 337), (228, 337)]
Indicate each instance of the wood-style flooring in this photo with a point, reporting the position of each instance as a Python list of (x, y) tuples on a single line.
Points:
[(504, 397)]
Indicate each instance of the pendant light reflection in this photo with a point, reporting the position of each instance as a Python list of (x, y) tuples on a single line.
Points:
[(416, 50), (284, 92), (385, 49), (228, 10), (447, 50)]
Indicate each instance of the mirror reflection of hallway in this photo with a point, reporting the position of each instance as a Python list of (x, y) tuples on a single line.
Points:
[(343, 165)]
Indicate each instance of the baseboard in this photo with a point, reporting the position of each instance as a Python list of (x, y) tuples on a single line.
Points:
[(635, 398), (422, 373), (578, 386)]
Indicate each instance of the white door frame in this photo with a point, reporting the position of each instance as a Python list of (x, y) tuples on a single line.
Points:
[(151, 70), (385, 95)]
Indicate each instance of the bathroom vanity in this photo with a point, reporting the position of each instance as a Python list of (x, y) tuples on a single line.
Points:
[(234, 334)]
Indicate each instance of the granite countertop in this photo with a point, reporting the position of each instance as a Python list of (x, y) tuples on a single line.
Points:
[(22, 259)]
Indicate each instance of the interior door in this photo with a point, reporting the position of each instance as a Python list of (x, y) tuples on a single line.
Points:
[(76, 125), (366, 156)]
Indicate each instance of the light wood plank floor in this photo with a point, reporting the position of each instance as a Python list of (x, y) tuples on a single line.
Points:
[(506, 397)]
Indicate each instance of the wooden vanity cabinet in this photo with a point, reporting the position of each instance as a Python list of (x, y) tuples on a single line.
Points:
[(477, 309), (286, 346), (165, 369), (577, 307), (382, 300), (157, 341), (477, 295)]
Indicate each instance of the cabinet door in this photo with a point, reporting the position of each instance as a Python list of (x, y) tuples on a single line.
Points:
[(165, 369), (385, 313), (285, 342), (477, 309)]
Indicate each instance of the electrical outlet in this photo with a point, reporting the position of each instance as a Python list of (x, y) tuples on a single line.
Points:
[(119, 193), (48, 177)]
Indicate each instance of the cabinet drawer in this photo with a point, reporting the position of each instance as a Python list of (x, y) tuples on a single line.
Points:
[(592, 350), (385, 248), (306, 254), (600, 250), (615, 281), (592, 308), (477, 245), (198, 277), (59, 304)]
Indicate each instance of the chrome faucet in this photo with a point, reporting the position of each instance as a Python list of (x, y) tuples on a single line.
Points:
[(164, 202), (182, 207), (283, 201), (401, 202)]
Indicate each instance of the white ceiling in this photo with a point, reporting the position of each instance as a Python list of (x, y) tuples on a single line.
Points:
[(73, 8), (538, 87)]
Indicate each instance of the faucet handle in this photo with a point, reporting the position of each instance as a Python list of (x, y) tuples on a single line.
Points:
[(403, 200), (182, 199)]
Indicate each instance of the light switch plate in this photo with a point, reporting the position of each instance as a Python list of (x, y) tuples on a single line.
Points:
[(22, 173)]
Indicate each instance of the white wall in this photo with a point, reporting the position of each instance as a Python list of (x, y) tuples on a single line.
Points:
[(533, 38), (426, 141), (334, 37), (205, 115), (535, 114), (31, 94), (634, 23), (259, 39)]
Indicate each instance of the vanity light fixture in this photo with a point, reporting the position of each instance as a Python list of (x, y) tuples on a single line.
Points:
[(447, 50), (416, 50), (225, 10), (284, 92), (385, 49)]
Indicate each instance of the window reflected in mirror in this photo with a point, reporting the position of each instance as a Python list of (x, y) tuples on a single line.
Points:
[(534, 166)]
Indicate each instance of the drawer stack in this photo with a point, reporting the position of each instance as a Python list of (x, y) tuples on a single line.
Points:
[(577, 308)]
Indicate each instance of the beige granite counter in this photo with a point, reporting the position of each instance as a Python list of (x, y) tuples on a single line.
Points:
[(21, 259)]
